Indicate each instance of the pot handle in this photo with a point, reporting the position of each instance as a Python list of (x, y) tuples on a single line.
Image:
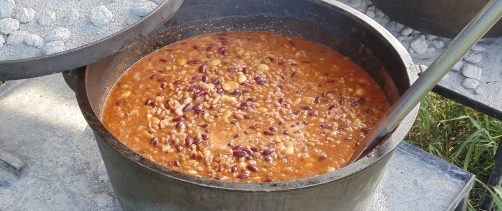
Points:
[(70, 76)]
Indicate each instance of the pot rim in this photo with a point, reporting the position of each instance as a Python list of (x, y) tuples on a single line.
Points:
[(384, 149)]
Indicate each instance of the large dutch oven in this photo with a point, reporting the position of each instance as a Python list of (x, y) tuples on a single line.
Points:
[(141, 184), (445, 18)]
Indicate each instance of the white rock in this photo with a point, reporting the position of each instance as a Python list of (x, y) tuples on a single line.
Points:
[(53, 47), (100, 16), (370, 12), (70, 18), (438, 44), (58, 34), (34, 40), (478, 48), (8, 25), (2, 41), (25, 15), (399, 26), (17, 38), (471, 71), (473, 57), (159, 2), (131, 18), (470, 83), (353, 3), (479, 91), (431, 49), (419, 44), (46, 18), (406, 31), (458, 66), (142, 8), (430, 37), (379, 13), (6, 8)]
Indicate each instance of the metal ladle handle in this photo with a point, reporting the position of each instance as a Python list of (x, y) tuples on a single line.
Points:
[(471, 34)]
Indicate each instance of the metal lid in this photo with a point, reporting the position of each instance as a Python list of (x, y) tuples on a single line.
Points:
[(89, 53)]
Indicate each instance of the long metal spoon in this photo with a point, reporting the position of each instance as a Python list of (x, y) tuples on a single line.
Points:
[(471, 34)]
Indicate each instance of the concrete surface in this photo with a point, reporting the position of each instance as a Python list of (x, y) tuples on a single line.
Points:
[(42, 126)]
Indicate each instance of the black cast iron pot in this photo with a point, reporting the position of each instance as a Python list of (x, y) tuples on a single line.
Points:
[(445, 18), (143, 185)]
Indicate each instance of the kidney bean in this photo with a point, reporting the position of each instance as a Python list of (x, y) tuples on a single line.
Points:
[(318, 100), (188, 141), (240, 153), (197, 141), (243, 176), (204, 136), (223, 51), (245, 70), (177, 82), (253, 168), (205, 79), (192, 62), (260, 80), (203, 68), (325, 126), (217, 80), (149, 102), (163, 60), (155, 142), (234, 169), (179, 125), (268, 151), (188, 107)]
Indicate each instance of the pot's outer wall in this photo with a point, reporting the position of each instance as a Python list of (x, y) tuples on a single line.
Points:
[(445, 18), (143, 185), (138, 189)]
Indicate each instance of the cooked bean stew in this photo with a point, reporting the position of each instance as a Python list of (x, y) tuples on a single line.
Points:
[(245, 107)]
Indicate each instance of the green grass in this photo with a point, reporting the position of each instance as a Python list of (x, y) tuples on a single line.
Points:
[(461, 136)]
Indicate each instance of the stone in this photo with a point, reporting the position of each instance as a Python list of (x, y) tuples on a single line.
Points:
[(370, 12), (70, 18), (470, 83), (479, 91), (478, 48), (159, 2), (431, 49), (101, 16), (419, 44), (473, 57), (142, 8), (406, 31), (458, 66), (2, 41), (471, 71), (46, 18), (58, 34), (6, 8), (430, 37), (25, 15), (53, 47), (17, 38), (8, 25), (34, 40), (379, 13), (131, 18), (438, 44)]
